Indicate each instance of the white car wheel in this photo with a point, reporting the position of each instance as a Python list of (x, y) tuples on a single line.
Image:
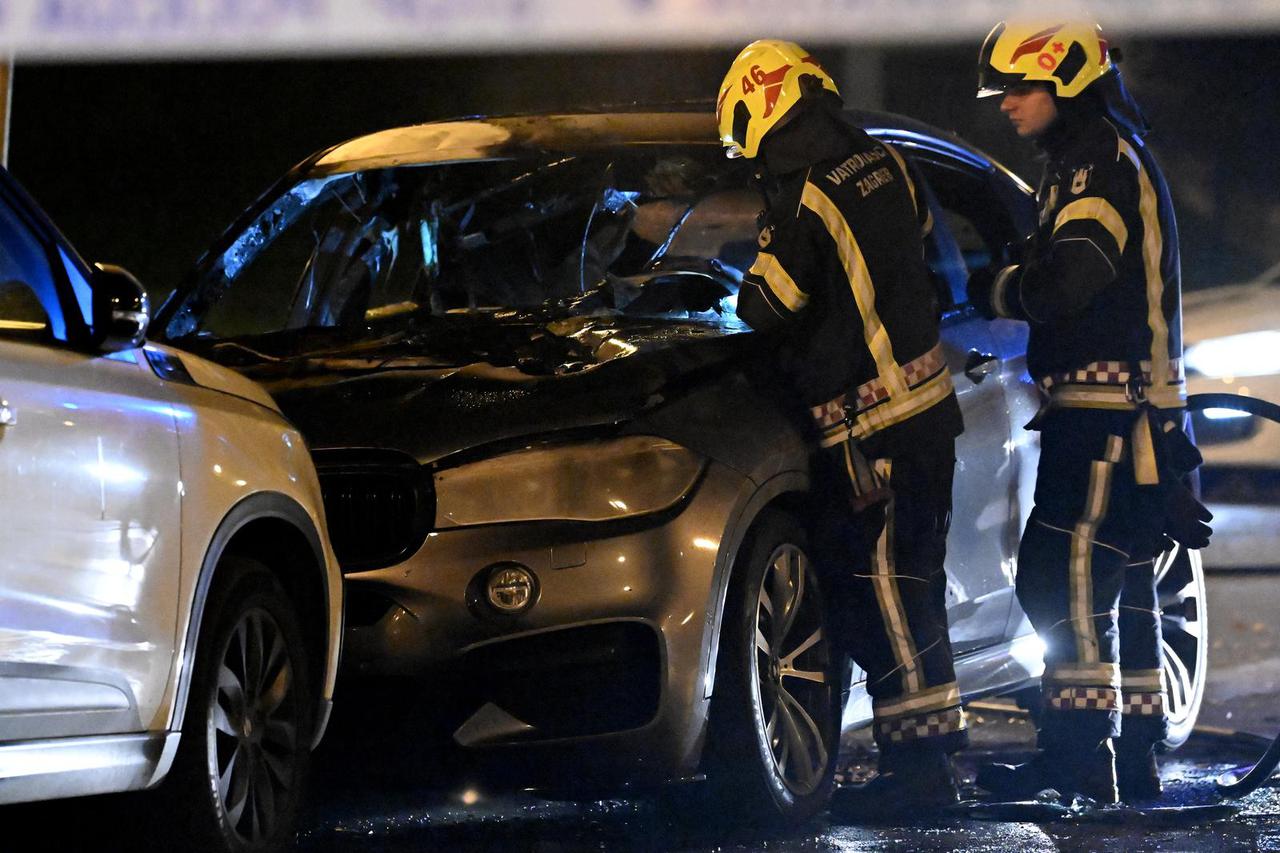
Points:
[(1180, 591)]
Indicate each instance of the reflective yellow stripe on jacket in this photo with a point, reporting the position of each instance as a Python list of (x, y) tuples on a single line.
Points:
[(1160, 392), (904, 401)]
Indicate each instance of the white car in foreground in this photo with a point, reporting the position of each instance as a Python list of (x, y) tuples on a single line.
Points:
[(1232, 339), (170, 606)]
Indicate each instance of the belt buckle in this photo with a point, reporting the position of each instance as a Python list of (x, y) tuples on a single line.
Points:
[(1135, 390)]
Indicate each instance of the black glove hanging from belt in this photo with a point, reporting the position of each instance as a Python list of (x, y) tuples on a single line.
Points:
[(1163, 456)]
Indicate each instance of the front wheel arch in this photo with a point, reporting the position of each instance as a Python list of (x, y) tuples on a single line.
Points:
[(748, 770), (237, 535), (785, 492), (240, 775)]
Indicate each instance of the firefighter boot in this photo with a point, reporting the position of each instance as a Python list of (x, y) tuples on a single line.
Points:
[(1089, 773), (911, 782), (1137, 770)]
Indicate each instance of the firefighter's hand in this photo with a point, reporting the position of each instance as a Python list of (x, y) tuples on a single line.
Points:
[(981, 283), (1185, 518), (699, 293)]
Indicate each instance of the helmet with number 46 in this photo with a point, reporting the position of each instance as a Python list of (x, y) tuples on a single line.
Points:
[(761, 92)]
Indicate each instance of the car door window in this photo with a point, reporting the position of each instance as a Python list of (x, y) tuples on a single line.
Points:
[(29, 306), (972, 228)]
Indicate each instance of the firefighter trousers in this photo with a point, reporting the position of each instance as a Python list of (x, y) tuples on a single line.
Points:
[(885, 567), (1088, 585)]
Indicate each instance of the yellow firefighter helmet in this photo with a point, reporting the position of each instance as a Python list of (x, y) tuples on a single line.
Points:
[(761, 90), (1068, 55)]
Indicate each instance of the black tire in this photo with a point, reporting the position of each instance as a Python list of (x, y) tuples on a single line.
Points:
[(1180, 590), (777, 692), (240, 774)]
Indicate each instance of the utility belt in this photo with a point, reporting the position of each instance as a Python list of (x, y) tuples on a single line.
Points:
[(1112, 385), (1163, 455), (871, 407)]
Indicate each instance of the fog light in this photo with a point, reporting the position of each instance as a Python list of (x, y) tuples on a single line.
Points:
[(511, 588)]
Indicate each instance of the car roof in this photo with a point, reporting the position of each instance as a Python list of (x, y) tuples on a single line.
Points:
[(483, 138)]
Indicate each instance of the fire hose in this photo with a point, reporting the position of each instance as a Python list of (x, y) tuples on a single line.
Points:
[(1247, 779)]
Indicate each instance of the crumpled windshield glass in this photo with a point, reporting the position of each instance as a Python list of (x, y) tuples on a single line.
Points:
[(654, 231)]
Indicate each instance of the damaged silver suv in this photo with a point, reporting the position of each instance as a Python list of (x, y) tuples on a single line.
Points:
[(556, 465)]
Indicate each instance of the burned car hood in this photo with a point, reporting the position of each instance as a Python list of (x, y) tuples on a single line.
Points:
[(459, 386)]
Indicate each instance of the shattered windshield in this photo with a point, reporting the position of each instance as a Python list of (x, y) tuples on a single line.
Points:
[(653, 231)]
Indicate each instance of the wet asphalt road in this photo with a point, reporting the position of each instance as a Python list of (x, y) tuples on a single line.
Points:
[(378, 818), (368, 800)]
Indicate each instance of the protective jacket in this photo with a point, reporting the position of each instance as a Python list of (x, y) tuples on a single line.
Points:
[(841, 278), (841, 275), (1101, 286)]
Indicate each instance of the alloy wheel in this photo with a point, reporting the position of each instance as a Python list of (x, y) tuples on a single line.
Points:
[(792, 672), (1181, 595), (253, 726)]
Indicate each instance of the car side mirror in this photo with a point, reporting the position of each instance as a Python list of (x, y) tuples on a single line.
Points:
[(121, 310)]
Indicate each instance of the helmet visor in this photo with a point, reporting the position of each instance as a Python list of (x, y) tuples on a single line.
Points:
[(990, 81), (993, 82), (741, 120)]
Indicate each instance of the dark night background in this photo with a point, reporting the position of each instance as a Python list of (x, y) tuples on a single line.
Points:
[(144, 164)]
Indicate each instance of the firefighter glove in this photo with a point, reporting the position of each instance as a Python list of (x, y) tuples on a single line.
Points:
[(1185, 518), (981, 283)]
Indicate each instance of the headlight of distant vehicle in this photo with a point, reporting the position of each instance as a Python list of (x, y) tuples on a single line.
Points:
[(600, 480), (1251, 354)]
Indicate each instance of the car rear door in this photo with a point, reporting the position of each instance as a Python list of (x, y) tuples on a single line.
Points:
[(90, 498), (972, 226)]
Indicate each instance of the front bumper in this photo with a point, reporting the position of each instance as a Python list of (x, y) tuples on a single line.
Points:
[(609, 668)]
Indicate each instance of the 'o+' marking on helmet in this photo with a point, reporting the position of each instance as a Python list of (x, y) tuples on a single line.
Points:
[(1035, 43), (1047, 62)]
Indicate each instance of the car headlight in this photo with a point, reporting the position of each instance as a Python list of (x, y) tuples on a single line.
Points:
[(600, 480), (1250, 354)]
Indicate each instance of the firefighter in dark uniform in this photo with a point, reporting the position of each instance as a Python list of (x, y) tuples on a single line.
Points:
[(841, 290), (1100, 289)]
